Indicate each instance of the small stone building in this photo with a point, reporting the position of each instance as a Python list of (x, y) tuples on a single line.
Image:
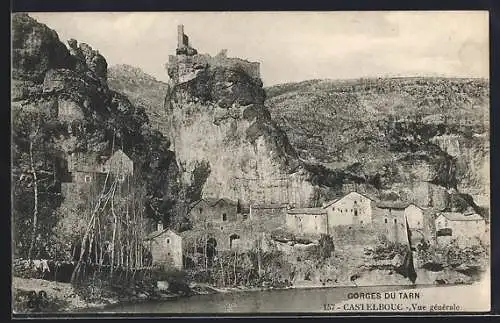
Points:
[(166, 248), (87, 172), (389, 212), (456, 224), (260, 211), (211, 210)]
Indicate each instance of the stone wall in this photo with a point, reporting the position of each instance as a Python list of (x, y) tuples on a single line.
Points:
[(369, 234)]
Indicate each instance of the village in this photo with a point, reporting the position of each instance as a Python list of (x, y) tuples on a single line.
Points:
[(229, 224), (236, 222)]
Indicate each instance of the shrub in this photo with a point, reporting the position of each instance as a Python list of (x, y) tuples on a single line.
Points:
[(326, 246)]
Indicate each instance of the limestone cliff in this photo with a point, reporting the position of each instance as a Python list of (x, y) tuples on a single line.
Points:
[(221, 128), (416, 137)]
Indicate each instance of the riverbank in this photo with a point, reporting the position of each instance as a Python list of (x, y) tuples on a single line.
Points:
[(62, 297)]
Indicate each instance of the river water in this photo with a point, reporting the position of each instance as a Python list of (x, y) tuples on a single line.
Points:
[(289, 300)]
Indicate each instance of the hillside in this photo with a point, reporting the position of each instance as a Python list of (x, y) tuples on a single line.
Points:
[(143, 91), (371, 124)]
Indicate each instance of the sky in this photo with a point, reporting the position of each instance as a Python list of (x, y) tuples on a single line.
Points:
[(293, 46)]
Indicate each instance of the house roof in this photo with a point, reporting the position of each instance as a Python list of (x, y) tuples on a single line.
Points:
[(225, 200), (269, 206), (158, 233), (312, 210), (212, 202), (341, 197), (456, 216), (118, 154), (387, 204)]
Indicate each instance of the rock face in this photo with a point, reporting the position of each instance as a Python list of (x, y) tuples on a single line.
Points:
[(417, 136), (221, 129), (35, 49)]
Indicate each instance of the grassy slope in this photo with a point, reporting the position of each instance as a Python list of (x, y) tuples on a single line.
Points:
[(142, 90)]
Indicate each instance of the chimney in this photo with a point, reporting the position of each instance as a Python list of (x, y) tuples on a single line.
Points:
[(159, 226), (180, 36)]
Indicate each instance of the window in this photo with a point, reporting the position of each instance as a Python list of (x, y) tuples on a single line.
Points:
[(224, 217), (201, 210), (418, 223), (88, 179), (385, 220), (168, 240), (222, 228), (168, 253), (395, 221), (355, 212), (390, 211), (333, 208), (361, 222)]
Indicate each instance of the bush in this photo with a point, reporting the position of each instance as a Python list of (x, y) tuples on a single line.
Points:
[(326, 246)]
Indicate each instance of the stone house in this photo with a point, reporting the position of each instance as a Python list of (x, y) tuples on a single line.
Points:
[(456, 224), (212, 210), (351, 209), (86, 172), (389, 212), (259, 211), (307, 221), (166, 248)]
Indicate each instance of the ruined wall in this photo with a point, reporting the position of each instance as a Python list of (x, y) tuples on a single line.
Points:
[(247, 229), (312, 225)]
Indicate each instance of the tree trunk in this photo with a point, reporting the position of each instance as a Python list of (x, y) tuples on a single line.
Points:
[(35, 208), (234, 267), (223, 273)]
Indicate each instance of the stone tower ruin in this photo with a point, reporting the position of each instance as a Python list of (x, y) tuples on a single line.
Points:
[(183, 47)]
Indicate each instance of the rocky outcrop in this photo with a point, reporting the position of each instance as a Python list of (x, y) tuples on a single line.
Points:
[(35, 49), (219, 122)]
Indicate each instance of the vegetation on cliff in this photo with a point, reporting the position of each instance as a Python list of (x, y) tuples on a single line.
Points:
[(98, 122), (379, 124)]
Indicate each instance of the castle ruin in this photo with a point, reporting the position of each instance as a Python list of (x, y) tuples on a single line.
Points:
[(187, 56)]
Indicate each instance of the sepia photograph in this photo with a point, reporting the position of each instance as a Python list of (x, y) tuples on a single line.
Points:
[(183, 163)]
